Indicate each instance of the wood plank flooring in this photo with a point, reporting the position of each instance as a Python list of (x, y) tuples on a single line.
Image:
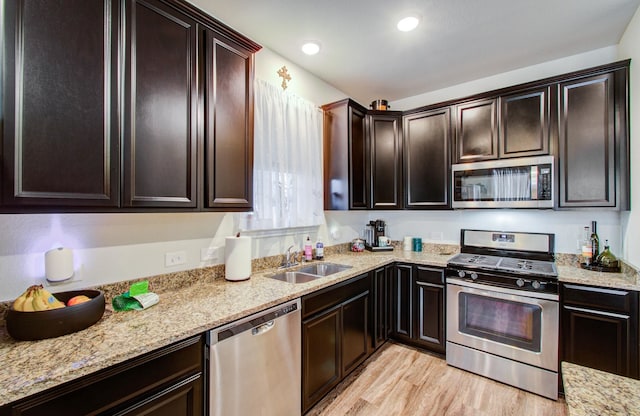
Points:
[(400, 380)]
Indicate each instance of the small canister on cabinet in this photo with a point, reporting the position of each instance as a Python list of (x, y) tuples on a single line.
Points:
[(357, 245)]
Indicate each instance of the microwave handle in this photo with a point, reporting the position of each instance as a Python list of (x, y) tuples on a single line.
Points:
[(534, 182)]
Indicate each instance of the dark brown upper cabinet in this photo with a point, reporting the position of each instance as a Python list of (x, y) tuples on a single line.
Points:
[(161, 99), (477, 130), (346, 183), (427, 171), (133, 105), (229, 126), (593, 141), (60, 139), (385, 141), (524, 123)]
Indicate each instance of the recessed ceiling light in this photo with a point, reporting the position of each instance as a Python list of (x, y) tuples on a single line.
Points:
[(408, 23), (311, 48)]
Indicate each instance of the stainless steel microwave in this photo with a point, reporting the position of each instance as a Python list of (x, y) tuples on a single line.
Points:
[(508, 183)]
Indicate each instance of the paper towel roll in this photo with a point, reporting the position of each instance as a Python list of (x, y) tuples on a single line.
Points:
[(58, 264), (407, 244), (237, 258)]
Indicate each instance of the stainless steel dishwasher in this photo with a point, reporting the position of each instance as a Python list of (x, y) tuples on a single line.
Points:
[(255, 364)]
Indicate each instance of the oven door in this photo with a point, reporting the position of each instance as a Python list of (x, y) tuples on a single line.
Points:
[(505, 322)]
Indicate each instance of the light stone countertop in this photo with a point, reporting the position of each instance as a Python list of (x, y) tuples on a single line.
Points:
[(590, 392), (29, 367)]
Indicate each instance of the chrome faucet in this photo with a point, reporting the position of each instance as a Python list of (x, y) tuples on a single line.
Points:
[(288, 260)]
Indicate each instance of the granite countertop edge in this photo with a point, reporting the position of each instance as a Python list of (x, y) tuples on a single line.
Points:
[(590, 392), (30, 367)]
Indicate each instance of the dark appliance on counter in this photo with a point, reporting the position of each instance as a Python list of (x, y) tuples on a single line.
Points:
[(503, 309), (372, 233), (510, 183)]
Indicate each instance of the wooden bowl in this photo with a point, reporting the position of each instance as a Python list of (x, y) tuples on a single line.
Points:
[(31, 326)]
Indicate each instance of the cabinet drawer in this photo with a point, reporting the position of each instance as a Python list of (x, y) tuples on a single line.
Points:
[(430, 275), (119, 386), (613, 300), (334, 295)]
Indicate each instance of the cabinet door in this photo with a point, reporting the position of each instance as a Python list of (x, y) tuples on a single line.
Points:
[(402, 301), (358, 167), (229, 126), (429, 318), (600, 328), (587, 148), (476, 131), (355, 334), (346, 175), (160, 153), (524, 123), (182, 399), (386, 161), (426, 159), (60, 143), (380, 306), (321, 355)]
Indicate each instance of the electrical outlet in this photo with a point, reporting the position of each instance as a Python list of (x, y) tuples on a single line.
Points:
[(437, 235), (175, 258)]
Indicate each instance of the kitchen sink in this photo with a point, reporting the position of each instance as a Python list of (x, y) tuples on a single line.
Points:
[(324, 269), (310, 273), (294, 277)]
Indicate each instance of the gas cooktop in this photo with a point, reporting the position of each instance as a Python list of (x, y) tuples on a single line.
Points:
[(505, 264)]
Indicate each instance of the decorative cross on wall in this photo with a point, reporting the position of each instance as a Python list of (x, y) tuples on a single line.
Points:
[(283, 72)]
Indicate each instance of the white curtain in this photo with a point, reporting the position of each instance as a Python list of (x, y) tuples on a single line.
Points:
[(287, 160)]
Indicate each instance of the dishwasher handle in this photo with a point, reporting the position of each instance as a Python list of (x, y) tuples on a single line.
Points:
[(263, 328), (258, 323)]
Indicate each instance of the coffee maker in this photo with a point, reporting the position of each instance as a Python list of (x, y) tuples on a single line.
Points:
[(374, 230)]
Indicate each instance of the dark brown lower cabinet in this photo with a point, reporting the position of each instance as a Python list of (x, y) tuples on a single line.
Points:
[(600, 328), (335, 336), (429, 308), (382, 281), (418, 305), (169, 381)]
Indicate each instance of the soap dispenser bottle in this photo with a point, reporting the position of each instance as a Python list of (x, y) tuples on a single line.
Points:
[(308, 250), (319, 250)]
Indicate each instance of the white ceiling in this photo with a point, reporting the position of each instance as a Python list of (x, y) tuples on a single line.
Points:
[(365, 56)]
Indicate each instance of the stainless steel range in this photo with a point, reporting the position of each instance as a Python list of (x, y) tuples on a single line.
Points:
[(502, 309)]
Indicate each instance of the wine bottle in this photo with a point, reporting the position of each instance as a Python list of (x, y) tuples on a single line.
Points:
[(595, 243)]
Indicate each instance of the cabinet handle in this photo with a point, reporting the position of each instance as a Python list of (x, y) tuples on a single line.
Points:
[(430, 285), (596, 290), (601, 313)]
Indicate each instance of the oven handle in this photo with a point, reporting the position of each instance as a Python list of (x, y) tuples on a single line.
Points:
[(601, 313), (506, 291)]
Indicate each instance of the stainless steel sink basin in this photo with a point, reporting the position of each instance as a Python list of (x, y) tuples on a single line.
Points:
[(324, 269), (309, 273), (294, 277)]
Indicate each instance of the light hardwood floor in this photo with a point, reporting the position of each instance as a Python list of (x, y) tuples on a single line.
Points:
[(400, 380)]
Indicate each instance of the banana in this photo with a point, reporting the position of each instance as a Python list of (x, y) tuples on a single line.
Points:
[(40, 302), (36, 298), (52, 301), (19, 303), (27, 306)]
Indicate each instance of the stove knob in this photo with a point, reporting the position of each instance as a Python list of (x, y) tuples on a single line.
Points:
[(461, 273), (520, 282), (474, 276), (535, 284)]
